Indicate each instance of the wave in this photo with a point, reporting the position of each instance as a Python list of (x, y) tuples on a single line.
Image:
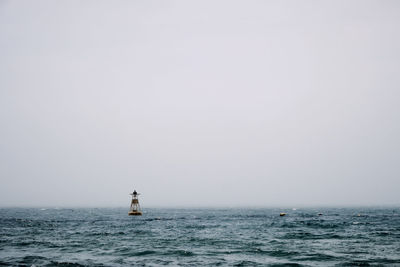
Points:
[(67, 264), (311, 236), (316, 257)]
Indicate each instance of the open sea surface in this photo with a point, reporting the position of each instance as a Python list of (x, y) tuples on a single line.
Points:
[(200, 237)]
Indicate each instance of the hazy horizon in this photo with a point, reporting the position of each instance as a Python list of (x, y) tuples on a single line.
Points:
[(199, 103), (239, 207)]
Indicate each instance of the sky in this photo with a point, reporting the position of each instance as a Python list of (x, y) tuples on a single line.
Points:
[(199, 103)]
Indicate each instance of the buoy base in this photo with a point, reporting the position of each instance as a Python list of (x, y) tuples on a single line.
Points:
[(137, 213)]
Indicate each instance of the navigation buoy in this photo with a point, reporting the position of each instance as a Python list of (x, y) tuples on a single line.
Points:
[(135, 207)]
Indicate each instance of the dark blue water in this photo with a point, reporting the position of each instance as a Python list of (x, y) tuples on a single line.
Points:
[(198, 237)]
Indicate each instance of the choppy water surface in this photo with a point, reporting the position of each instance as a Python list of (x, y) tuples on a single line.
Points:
[(198, 237)]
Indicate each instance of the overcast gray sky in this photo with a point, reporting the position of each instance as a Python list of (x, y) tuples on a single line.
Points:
[(199, 103)]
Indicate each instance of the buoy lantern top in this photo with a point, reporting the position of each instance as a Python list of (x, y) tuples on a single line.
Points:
[(134, 193)]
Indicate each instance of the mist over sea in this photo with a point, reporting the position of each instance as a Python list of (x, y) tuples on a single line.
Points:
[(199, 237)]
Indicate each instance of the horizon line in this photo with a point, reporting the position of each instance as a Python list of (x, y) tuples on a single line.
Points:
[(200, 206)]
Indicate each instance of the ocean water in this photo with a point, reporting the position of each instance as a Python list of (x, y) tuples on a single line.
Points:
[(200, 237)]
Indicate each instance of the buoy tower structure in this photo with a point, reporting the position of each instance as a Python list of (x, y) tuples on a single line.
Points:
[(135, 207)]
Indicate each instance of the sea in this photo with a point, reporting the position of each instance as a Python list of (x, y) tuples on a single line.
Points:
[(200, 237)]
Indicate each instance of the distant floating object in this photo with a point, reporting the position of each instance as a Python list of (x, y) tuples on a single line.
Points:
[(320, 214), (294, 209), (135, 207), (282, 214)]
